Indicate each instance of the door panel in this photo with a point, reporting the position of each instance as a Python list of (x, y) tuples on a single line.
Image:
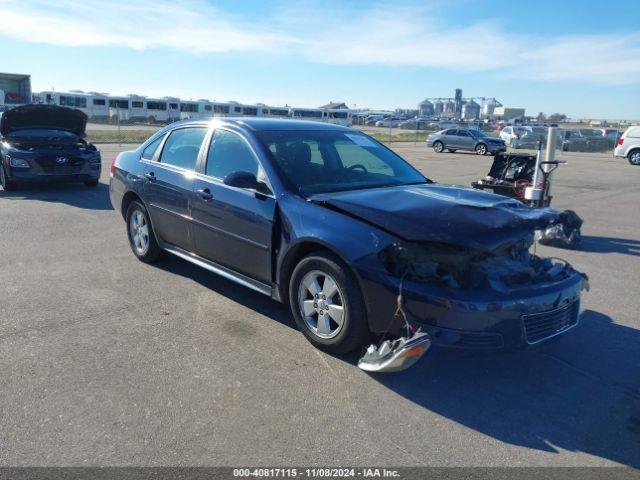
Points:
[(466, 140), (169, 186), (167, 194), (232, 226), (453, 140)]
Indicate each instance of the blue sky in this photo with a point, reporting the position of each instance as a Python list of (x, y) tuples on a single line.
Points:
[(579, 57)]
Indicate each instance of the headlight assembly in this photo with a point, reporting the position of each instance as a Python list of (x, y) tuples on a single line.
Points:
[(18, 162)]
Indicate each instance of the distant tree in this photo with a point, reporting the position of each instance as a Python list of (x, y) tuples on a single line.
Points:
[(557, 117), (541, 117)]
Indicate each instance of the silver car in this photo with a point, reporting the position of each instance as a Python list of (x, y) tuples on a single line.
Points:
[(473, 140)]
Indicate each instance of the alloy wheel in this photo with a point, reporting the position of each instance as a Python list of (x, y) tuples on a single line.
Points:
[(438, 147), (481, 149), (139, 232), (321, 304), (634, 158)]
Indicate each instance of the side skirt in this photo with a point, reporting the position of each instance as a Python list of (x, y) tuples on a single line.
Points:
[(220, 270)]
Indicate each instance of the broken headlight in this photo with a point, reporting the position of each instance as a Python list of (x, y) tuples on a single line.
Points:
[(457, 267), (439, 263)]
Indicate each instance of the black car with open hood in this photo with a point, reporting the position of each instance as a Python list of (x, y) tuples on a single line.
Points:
[(45, 143)]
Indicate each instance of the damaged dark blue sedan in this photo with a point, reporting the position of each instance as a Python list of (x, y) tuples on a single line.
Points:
[(357, 241)]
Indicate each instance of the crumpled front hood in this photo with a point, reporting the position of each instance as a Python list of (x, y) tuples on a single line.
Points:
[(442, 213), (43, 116)]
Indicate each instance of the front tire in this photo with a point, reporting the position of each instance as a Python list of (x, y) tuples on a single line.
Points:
[(634, 157), (438, 147), (327, 304), (6, 184), (481, 149), (140, 233)]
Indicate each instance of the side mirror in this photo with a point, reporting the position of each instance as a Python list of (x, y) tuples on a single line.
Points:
[(243, 179)]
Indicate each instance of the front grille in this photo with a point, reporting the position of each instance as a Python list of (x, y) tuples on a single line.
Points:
[(50, 165), (540, 326)]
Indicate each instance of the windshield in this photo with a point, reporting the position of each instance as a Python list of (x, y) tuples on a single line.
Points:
[(331, 161), (43, 133)]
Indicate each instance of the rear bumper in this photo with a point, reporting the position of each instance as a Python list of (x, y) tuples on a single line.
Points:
[(485, 320)]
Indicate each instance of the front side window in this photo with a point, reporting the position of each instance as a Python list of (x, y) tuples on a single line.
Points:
[(150, 149), (136, 104), (229, 153), (98, 101), (182, 147), (332, 160)]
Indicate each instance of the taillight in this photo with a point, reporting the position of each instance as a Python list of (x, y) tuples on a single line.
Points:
[(620, 141), (112, 169)]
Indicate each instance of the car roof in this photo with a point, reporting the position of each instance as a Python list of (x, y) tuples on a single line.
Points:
[(260, 124)]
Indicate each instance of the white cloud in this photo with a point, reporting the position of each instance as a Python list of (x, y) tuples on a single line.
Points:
[(382, 34), (192, 25)]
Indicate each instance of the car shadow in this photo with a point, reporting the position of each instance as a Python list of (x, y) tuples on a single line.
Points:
[(73, 194), (579, 392), (610, 245), (246, 297)]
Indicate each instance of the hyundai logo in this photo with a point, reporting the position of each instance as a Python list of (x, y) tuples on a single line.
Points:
[(62, 160)]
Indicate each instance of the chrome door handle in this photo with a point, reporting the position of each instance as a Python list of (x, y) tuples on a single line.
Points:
[(150, 176), (205, 194)]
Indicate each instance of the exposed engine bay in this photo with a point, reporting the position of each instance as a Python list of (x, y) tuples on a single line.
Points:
[(503, 270), (458, 267)]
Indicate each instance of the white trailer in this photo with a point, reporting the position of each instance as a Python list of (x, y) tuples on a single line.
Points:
[(77, 99), (138, 108), (15, 89), (119, 109), (278, 112), (340, 116), (190, 109), (98, 106), (173, 108), (315, 114)]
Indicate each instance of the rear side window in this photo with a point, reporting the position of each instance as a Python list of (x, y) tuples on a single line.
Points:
[(150, 149), (229, 153), (182, 147)]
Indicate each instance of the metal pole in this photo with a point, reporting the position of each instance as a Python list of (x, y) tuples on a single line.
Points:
[(119, 135), (550, 156)]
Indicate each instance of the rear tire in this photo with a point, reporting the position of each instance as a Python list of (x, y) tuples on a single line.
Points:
[(327, 304), (438, 147), (481, 149), (634, 157), (6, 184), (142, 238)]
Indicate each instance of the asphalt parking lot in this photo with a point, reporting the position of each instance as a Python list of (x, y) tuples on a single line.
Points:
[(105, 360)]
